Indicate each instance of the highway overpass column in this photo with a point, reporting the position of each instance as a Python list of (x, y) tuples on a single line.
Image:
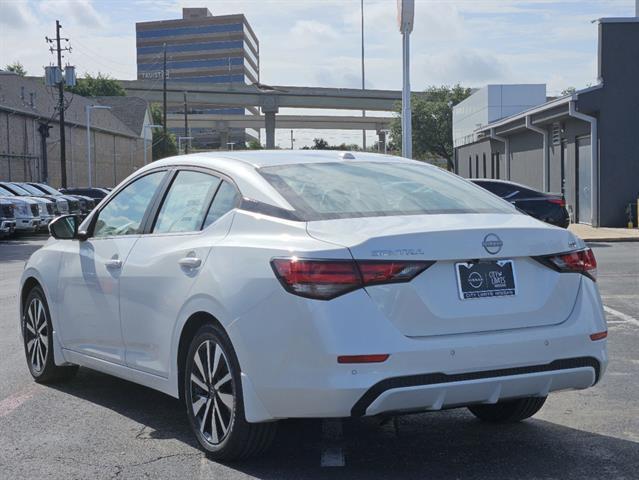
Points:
[(269, 124), (381, 140), (224, 139)]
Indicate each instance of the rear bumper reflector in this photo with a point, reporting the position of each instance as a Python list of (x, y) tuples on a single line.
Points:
[(598, 336), (377, 358), (360, 407)]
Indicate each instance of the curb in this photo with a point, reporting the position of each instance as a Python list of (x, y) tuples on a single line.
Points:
[(611, 239)]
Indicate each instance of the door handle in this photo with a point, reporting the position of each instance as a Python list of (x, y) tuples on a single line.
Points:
[(190, 262), (114, 263)]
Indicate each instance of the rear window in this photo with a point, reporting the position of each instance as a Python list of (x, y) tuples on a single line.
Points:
[(323, 191)]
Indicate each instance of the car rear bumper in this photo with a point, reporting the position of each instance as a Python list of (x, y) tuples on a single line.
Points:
[(27, 224), (435, 391), (300, 376)]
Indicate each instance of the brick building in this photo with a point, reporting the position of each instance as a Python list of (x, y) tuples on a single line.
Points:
[(117, 142)]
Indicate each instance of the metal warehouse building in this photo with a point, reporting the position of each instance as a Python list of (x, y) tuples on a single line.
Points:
[(585, 145)]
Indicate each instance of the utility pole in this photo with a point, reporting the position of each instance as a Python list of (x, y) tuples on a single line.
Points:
[(186, 125), (363, 77), (60, 84), (292, 140), (164, 101)]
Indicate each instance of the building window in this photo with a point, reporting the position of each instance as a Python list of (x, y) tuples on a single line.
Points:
[(484, 162), (470, 166), (477, 165), (497, 165)]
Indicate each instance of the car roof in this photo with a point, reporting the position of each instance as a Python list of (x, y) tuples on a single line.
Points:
[(242, 166), (266, 158)]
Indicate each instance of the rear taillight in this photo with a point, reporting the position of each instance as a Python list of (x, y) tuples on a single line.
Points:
[(558, 201), (579, 261), (326, 279)]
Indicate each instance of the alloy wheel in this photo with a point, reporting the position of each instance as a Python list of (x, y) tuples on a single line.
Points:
[(36, 335), (212, 392)]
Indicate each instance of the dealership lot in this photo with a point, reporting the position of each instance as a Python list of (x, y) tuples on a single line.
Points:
[(101, 427)]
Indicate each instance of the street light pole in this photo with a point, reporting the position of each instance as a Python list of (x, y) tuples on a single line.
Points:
[(406, 13), (363, 75), (88, 113)]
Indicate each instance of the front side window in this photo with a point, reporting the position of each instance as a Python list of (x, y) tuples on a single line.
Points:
[(186, 203), (123, 215), (225, 200), (322, 191)]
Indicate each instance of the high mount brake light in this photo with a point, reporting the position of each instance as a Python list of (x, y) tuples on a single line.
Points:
[(327, 279), (579, 261)]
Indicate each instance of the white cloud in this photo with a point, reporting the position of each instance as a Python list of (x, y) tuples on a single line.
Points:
[(311, 32), (469, 67), (15, 14), (80, 12)]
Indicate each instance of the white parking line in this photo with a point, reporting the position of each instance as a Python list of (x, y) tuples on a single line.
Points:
[(621, 315), (332, 453), (12, 402)]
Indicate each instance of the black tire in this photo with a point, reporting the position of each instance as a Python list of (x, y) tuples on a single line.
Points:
[(240, 439), (38, 341), (510, 411)]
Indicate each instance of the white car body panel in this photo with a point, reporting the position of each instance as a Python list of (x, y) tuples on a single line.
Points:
[(129, 323), (88, 292)]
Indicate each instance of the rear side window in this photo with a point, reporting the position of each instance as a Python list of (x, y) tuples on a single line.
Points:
[(500, 189), (186, 202), (226, 199), (123, 215), (526, 193), (321, 191)]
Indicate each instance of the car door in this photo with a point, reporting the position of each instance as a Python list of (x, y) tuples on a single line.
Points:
[(89, 278), (164, 265)]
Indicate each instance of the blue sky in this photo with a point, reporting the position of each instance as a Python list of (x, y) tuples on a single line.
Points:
[(317, 42)]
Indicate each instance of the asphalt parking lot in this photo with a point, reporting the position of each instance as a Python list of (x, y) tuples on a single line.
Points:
[(101, 427)]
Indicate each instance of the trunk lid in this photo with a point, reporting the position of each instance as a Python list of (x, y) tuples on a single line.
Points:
[(430, 304)]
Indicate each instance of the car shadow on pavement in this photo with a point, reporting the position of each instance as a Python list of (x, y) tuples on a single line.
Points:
[(449, 444)]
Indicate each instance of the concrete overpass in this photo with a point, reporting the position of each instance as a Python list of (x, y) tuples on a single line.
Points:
[(268, 98), (320, 122)]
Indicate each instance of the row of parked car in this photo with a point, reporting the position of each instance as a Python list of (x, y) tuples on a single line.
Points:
[(30, 206)]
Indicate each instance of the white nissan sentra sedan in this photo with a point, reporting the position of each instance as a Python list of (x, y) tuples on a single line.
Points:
[(257, 286)]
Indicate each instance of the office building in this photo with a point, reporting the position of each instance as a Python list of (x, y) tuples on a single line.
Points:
[(204, 49)]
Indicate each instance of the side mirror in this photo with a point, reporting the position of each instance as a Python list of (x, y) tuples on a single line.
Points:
[(65, 228)]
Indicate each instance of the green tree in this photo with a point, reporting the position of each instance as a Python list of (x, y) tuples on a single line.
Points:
[(321, 144), (254, 145), (432, 122), (16, 67), (163, 146), (98, 86), (568, 91)]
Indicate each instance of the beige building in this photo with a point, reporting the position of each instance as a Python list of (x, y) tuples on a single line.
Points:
[(117, 143)]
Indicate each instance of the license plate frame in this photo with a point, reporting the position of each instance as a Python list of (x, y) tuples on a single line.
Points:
[(486, 279)]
